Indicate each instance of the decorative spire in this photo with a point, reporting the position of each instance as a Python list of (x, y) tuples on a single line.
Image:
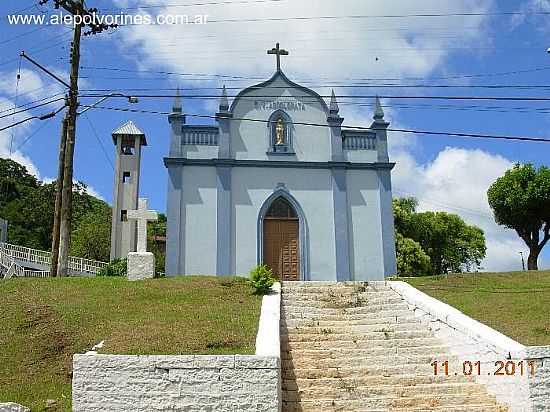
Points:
[(378, 111), (334, 108), (177, 106), (224, 102)]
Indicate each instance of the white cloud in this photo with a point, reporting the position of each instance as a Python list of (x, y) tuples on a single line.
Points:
[(31, 87), (456, 181), (320, 48), (93, 192)]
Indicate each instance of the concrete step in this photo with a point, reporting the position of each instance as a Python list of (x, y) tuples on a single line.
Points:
[(298, 407), (343, 392), (389, 403), (367, 298), (402, 380), (330, 335), (316, 287), (313, 372), (330, 352), (350, 329), (372, 321), (344, 310), (361, 361), (343, 316), (351, 343)]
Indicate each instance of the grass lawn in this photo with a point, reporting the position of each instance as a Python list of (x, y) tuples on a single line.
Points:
[(516, 304), (43, 322)]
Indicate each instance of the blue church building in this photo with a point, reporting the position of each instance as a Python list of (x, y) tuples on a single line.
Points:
[(278, 181)]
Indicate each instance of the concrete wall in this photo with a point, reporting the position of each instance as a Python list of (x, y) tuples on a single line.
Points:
[(186, 383), (175, 383), (470, 340), (539, 385)]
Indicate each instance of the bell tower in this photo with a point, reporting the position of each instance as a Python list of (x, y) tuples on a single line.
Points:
[(128, 140)]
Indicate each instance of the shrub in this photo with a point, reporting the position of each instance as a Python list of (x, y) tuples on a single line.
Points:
[(118, 267), (261, 279)]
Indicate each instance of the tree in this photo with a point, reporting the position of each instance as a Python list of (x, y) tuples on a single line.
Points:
[(91, 238), (445, 238), (156, 242), (28, 206), (14, 179), (411, 259), (521, 201)]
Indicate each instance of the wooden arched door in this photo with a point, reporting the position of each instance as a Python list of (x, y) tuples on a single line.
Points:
[(281, 240)]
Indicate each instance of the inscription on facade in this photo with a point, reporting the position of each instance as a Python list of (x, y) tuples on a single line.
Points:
[(270, 105)]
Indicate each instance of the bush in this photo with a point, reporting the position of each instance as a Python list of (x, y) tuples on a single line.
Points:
[(117, 268), (261, 279)]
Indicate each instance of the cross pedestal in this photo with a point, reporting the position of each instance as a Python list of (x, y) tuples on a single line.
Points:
[(141, 264)]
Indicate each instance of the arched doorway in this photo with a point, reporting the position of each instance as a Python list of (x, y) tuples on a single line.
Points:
[(281, 240)]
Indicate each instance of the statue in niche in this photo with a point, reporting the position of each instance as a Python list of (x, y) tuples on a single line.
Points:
[(280, 132)]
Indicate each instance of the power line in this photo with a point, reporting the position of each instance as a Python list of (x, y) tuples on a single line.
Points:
[(410, 131), (43, 117), (32, 107), (342, 96), (466, 76), (209, 3), (361, 17), (29, 137), (99, 141)]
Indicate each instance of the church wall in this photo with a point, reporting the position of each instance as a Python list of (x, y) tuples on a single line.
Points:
[(199, 152), (200, 203), (361, 156), (366, 253), (311, 189), (250, 140)]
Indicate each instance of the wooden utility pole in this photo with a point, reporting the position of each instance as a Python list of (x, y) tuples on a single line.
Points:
[(65, 216), (58, 190), (64, 186)]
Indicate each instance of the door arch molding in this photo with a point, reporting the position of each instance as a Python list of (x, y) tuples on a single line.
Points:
[(282, 192)]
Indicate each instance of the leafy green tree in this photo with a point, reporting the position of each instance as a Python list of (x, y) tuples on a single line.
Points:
[(156, 242), (521, 201), (28, 205), (14, 180), (91, 239), (445, 238), (411, 259)]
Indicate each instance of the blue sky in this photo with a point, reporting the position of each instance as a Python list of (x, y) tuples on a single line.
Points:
[(445, 173)]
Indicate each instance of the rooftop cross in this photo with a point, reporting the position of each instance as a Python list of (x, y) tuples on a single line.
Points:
[(142, 215), (278, 52)]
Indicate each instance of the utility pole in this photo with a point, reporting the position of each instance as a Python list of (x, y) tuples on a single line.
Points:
[(65, 214), (64, 186)]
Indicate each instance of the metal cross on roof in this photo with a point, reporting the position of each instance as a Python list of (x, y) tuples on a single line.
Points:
[(278, 52)]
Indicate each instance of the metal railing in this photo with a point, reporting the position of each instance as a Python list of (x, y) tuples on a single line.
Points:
[(41, 257)]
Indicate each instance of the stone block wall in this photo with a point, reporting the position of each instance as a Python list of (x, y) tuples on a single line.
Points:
[(175, 383), (470, 340), (539, 385)]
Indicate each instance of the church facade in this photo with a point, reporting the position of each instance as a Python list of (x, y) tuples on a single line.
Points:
[(278, 181)]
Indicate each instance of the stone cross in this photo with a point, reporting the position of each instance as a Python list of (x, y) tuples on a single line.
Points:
[(278, 52), (142, 215)]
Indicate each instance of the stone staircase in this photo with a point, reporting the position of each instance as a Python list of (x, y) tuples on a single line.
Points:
[(357, 347)]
